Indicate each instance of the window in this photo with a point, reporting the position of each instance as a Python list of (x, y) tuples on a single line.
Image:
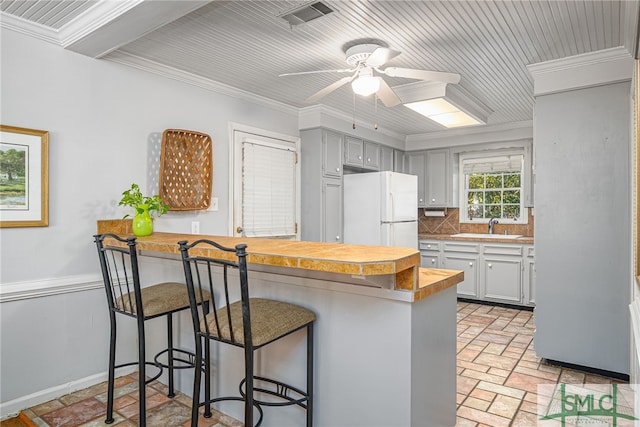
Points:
[(492, 187), (264, 183)]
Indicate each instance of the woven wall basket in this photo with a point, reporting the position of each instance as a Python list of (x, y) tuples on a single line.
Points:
[(186, 170)]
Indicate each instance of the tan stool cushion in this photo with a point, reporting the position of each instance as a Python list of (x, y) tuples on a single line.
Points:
[(159, 299), (270, 320)]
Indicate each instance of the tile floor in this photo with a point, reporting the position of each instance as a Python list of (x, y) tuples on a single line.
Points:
[(498, 373)]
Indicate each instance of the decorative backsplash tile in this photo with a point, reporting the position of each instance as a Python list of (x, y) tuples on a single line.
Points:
[(450, 224)]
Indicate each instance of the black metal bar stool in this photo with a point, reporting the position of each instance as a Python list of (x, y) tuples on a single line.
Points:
[(250, 323), (119, 265)]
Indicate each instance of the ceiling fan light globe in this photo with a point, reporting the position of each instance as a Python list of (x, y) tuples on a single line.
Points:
[(366, 85)]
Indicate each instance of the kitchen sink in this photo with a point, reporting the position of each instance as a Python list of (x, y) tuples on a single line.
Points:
[(487, 236)]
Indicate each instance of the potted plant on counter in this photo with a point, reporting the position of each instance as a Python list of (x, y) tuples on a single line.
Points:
[(144, 205)]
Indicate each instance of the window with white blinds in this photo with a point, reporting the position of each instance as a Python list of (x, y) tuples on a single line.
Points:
[(268, 189)]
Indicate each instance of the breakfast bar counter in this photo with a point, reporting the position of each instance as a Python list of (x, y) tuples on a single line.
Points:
[(385, 335)]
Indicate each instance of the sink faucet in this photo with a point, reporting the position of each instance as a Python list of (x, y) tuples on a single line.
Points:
[(492, 222)]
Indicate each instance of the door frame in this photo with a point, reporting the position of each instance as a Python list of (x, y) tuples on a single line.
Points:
[(235, 183)]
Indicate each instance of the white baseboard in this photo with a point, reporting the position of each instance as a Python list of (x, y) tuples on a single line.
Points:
[(13, 407)]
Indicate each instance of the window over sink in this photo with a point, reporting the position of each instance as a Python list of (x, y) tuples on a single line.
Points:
[(492, 186)]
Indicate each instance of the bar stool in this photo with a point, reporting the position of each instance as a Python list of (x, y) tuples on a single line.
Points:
[(119, 265), (250, 323)]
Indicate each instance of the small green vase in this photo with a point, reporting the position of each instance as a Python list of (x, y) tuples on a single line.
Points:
[(142, 223)]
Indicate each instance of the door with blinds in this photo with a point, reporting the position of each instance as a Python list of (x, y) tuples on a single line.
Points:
[(266, 196)]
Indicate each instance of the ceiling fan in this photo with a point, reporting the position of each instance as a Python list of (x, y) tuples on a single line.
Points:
[(366, 60)]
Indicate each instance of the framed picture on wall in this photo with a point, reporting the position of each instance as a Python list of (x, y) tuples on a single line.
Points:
[(24, 177)]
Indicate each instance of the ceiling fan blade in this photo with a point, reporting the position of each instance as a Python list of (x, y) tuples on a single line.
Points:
[(380, 56), (346, 70), (387, 95), (327, 90), (435, 76)]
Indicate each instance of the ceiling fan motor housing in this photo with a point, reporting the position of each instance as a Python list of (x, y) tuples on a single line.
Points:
[(359, 53)]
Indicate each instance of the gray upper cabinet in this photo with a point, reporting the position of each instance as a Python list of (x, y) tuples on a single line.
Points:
[(386, 158), (416, 163), (371, 155), (332, 154), (398, 161), (437, 174), (353, 151), (361, 154)]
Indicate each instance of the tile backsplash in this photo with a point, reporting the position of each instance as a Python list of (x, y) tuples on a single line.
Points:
[(450, 224)]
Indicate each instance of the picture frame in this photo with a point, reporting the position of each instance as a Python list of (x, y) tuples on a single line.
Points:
[(24, 177)]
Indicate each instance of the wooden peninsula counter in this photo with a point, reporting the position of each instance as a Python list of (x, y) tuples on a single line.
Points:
[(385, 335)]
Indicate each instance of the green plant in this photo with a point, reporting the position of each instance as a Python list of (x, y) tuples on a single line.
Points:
[(133, 197)]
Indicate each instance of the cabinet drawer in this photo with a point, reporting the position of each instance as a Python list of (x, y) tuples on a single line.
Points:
[(515, 250), (461, 247), (429, 245), (430, 261)]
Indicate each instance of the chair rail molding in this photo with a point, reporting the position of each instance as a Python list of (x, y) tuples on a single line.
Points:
[(47, 287)]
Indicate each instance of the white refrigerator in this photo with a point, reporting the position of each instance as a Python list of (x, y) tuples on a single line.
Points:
[(381, 208)]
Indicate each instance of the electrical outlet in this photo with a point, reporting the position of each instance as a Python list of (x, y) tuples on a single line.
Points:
[(214, 204), (195, 227)]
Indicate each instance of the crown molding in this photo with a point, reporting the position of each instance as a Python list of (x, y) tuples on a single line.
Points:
[(93, 19), (321, 115), (28, 28), (153, 67), (581, 71)]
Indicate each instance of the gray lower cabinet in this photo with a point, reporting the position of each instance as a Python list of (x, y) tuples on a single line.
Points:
[(463, 256), (529, 285), (332, 210), (499, 272)]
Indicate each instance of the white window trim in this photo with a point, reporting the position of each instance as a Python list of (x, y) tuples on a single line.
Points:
[(462, 201), (235, 177)]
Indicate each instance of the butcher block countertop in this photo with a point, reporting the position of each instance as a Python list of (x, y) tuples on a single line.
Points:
[(401, 264)]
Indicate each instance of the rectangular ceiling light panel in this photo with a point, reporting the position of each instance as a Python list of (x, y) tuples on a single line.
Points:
[(442, 111)]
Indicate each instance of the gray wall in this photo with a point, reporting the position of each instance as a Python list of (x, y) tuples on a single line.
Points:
[(582, 148), (105, 122)]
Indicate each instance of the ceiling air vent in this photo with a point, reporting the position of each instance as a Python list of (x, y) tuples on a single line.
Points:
[(306, 13)]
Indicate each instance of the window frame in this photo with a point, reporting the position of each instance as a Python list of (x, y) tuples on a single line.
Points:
[(463, 192)]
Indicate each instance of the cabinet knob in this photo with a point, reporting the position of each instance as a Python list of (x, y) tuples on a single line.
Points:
[(433, 200), (489, 265), (368, 159), (337, 238), (337, 169), (359, 157), (433, 261), (428, 246), (419, 200), (470, 264)]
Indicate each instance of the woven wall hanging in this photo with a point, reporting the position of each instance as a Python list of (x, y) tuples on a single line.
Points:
[(186, 170)]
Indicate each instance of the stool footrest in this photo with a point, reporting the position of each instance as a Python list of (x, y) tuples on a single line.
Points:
[(237, 399), (279, 390), (178, 359), (150, 380)]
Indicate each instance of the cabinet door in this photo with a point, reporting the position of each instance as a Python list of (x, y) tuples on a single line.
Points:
[(398, 161), (502, 278), (386, 158), (353, 151), (332, 210), (468, 263), (371, 155), (332, 154), (438, 178), (416, 164)]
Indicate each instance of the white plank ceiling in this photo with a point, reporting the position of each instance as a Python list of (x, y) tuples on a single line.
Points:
[(243, 44)]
